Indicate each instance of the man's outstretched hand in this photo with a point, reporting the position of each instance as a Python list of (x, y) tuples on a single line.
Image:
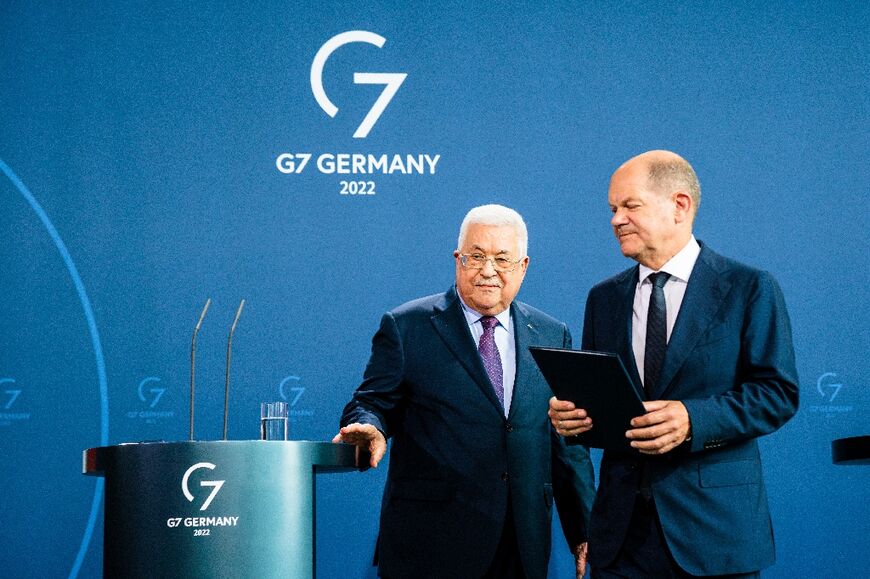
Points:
[(366, 438)]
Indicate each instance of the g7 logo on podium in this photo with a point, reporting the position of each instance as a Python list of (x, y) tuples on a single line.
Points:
[(215, 484), (391, 80)]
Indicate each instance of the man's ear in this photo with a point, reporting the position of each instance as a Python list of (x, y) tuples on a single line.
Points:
[(684, 207)]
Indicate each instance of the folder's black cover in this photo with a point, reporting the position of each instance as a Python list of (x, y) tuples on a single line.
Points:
[(597, 382)]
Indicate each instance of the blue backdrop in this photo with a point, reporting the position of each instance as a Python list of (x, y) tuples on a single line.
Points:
[(155, 154)]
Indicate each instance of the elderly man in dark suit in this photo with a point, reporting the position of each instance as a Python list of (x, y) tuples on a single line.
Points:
[(475, 464), (710, 341)]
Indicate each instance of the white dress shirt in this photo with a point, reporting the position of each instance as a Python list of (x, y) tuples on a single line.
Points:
[(680, 269), (504, 339)]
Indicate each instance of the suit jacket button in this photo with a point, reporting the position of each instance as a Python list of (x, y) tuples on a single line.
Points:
[(509, 427), (504, 476)]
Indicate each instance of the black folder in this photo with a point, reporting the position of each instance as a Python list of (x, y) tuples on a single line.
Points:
[(597, 382)]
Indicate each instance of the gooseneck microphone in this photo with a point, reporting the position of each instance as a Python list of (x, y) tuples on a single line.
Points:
[(193, 363), (229, 356)]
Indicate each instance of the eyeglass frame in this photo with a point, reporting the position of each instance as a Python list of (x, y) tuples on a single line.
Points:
[(463, 259)]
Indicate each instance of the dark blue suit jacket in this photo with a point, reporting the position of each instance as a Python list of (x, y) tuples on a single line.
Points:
[(730, 361), (455, 460)]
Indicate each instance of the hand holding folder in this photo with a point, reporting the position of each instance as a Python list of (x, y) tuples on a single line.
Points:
[(598, 383)]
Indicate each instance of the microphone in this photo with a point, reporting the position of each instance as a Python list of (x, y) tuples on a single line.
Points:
[(229, 356), (193, 362)]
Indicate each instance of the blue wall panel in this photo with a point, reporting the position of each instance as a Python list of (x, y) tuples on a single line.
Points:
[(139, 142)]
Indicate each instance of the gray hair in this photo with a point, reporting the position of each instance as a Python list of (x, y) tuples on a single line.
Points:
[(667, 175), (499, 216)]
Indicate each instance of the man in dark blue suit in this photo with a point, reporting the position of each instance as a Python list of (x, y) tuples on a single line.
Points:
[(710, 341), (475, 464)]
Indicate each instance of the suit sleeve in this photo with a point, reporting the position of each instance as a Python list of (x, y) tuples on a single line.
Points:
[(573, 482), (378, 398), (765, 392)]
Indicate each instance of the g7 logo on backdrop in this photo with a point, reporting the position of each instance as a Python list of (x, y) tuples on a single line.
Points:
[(149, 392), (11, 395), (391, 80), (829, 388), (297, 390), (215, 484), (824, 385), (155, 392)]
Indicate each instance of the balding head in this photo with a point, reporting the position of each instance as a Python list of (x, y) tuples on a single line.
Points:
[(667, 172), (653, 198)]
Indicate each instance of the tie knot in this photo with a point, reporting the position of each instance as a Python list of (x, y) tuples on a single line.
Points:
[(488, 322), (659, 279)]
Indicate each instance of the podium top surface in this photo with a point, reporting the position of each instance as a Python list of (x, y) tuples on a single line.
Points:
[(322, 456)]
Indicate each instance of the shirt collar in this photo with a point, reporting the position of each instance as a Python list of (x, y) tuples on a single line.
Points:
[(680, 266), (472, 315)]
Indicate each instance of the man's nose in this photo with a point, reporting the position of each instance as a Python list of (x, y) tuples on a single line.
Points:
[(618, 219), (488, 269)]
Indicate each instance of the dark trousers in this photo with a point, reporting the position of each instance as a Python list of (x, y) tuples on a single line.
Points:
[(645, 553), (507, 563)]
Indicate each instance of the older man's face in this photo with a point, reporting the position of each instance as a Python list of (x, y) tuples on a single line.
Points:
[(486, 290)]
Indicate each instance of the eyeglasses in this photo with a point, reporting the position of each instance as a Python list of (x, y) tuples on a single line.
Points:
[(478, 261)]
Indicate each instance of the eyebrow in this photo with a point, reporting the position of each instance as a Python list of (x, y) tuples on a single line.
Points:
[(479, 249), (626, 201)]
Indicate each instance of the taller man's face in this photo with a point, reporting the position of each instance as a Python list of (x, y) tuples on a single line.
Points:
[(644, 220), (486, 290)]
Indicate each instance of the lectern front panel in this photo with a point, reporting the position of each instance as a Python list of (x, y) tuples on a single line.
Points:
[(212, 509)]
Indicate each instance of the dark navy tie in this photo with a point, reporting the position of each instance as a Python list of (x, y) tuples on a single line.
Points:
[(656, 332), (490, 356)]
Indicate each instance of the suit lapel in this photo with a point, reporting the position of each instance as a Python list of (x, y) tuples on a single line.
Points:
[(525, 335), (449, 321), (700, 304), (624, 307)]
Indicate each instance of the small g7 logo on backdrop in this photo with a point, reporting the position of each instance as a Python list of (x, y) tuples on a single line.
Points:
[(215, 484), (391, 80), (824, 385), (11, 395), (296, 390), (156, 393)]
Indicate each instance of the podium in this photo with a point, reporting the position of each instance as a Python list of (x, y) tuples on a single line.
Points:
[(852, 450), (212, 509)]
